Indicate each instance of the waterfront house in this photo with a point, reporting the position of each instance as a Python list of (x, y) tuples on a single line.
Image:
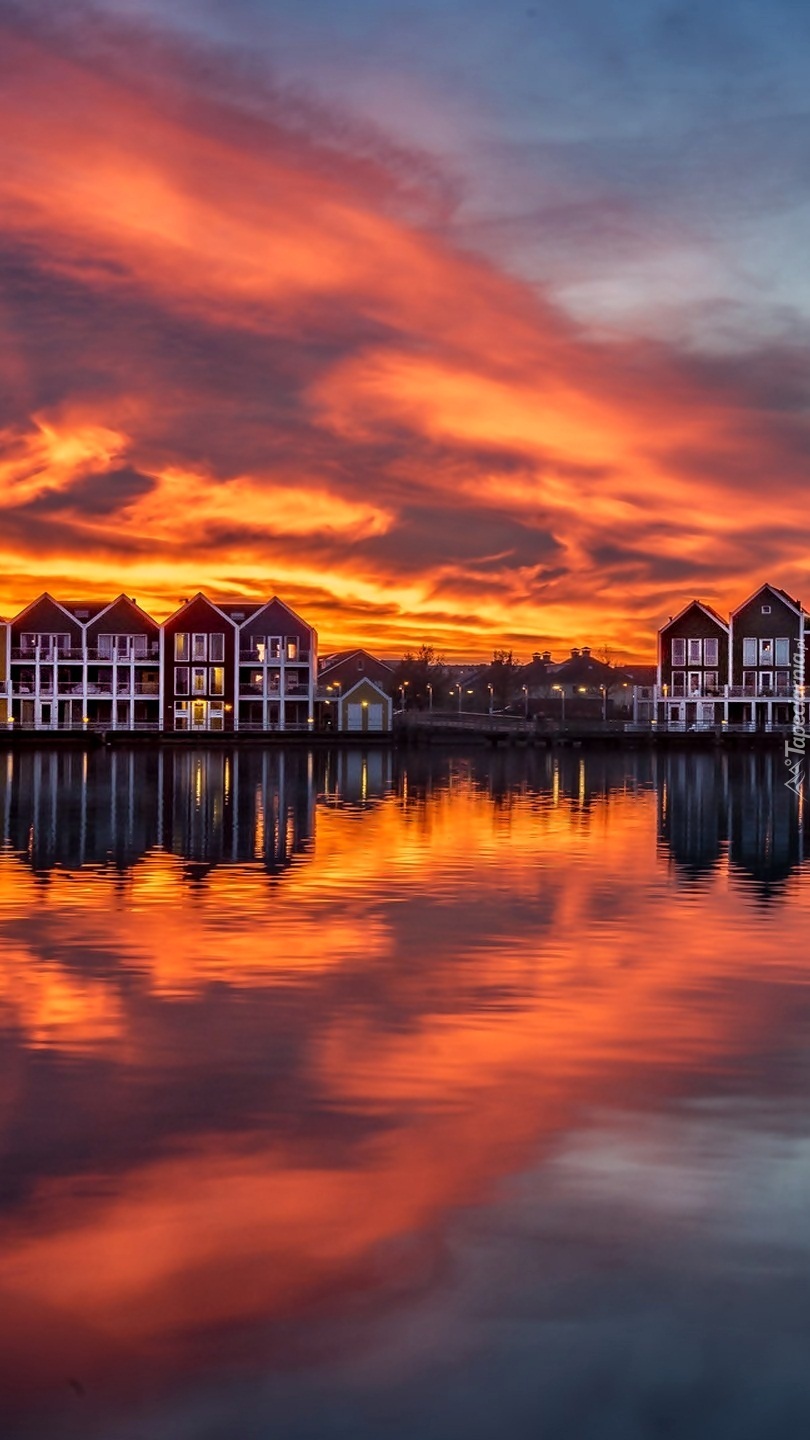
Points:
[(122, 689), (4, 649), (583, 680), (198, 667), (46, 669), (346, 667), (693, 661), (278, 667), (767, 636)]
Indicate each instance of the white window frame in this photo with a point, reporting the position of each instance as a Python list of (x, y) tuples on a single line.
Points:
[(181, 646), (216, 647), (679, 682), (181, 680), (750, 680), (199, 647), (710, 680), (766, 651), (765, 686), (199, 681), (216, 680), (749, 650), (678, 650), (711, 650), (782, 650), (694, 652), (694, 682)]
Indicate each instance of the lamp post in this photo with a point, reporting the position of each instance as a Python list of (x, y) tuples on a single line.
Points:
[(460, 693), (403, 687), (525, 702), (491, 694), (603, 689), (429, 689), (561, 690)]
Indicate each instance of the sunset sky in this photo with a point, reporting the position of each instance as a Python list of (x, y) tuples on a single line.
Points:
[(466, 322)]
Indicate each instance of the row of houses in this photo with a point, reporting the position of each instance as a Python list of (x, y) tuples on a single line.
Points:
[(229, 665), (747, 671)]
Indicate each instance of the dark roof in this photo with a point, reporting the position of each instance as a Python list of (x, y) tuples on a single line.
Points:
[(89, 608), (587, 670), (338, 658), (642, 674), (242, 608)]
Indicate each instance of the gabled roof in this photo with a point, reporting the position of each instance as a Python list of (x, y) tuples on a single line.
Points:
[(192, 601), (701, 605), (341, 656), (84, 610), (239, 610), (775, 590), (128, 599), (275, 600), (364, 680), (46, 595)]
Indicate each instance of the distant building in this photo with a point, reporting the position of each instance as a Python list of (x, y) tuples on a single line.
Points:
[(365, 707), (346, 667)]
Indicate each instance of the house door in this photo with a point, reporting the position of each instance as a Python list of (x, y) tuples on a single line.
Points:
[(199, 714), (45, 715)]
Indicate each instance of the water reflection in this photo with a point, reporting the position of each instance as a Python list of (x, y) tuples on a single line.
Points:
[(342, 1093)]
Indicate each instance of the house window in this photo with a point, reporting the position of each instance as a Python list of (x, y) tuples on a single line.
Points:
[(217, 646), (217, 686), (216, 715), (711, 651), (710, 680), (749, 650), (105, 646), (678, 682), (749, 681), (292, 648), (181, 680), (199, 647), (181, 715), (694, 682), (783, 650), (139, 645), (274, 642), (765, 682), (259, 646), (783, 682), (679, 651), (766, 652), (695, 652), (181, 651), (199, 676), (766, 609)]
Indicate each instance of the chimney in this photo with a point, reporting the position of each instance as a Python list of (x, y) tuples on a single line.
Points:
[(574, 654), (546, 656), (586, 649)]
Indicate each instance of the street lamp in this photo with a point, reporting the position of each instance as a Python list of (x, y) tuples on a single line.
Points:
[(525, 702), (603, 689), (491, 693), (561, 690), (460, 693), (429, 689), (403, 687)]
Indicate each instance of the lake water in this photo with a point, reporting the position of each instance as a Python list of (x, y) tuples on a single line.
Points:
[(429, 1096)]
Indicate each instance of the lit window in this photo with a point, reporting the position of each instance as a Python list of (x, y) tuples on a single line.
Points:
[(181, 651), (217, 686), (198, 680), (292, 649), (765, 652)]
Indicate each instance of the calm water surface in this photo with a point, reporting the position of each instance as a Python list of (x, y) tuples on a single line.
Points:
[(360, 1096)]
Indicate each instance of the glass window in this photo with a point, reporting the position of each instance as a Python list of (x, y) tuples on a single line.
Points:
[(765, 652), (181, 679), (695, 652), (217, 686), (181, 647), (199, 677), (199, 647), (711, 651), (783, 650), (749, 650), (710, 679), (105, 646), (292, 648), (139, 644), (749, 679), (217, 644), (679, 651), (274, 642), (181, 715)]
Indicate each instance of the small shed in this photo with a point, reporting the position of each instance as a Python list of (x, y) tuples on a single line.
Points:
[(365, 709)]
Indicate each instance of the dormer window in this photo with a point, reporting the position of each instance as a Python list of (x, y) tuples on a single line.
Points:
[(766, 609)]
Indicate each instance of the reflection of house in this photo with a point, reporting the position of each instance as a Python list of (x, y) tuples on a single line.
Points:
[(199, 650), (278, 660)]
